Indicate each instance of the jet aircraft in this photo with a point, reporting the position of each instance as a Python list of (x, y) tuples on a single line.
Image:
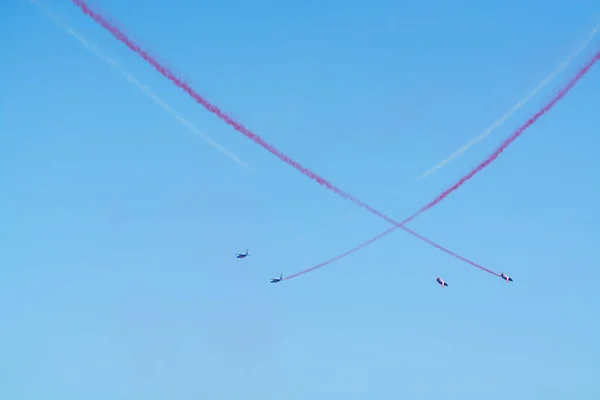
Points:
[(242, 255), (441, 281)]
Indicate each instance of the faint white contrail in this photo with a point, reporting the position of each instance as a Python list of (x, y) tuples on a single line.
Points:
[(516, 107), (133, 80), (301, 238)]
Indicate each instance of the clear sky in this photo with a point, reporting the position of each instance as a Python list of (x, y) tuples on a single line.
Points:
[(118, 227)]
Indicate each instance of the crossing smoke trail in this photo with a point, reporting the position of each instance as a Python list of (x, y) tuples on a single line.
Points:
[(249, 134), (133, 80), (167, 73), (562, 93), (495, 125), (258, 140)]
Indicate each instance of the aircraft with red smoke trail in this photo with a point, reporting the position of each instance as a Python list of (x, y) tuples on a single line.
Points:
[(441, 281), (115, 31), (277, 280), (506, 277)]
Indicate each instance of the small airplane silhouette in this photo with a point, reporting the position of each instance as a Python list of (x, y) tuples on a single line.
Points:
[(277, 280), (441, 281), (506, 277), (242, 255)]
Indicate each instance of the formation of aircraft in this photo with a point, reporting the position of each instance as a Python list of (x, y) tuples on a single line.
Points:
[(246, 254), (443, 283), (439, 280)]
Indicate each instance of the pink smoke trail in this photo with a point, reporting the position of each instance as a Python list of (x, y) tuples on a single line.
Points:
[(562, 93), (119, 35)]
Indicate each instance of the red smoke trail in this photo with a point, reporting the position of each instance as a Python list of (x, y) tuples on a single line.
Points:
[(167, 73), (562, 93), (119, 35)]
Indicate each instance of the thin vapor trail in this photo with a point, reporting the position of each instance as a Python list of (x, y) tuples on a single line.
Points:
[(133, 80), (561, 94), (520, 104), (301, 238), (167, 73)]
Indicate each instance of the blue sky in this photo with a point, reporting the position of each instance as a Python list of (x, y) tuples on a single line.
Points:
[(118, 227)]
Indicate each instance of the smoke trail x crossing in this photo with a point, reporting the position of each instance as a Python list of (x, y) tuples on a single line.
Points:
[(477, 139), (561, 94), (119, 35), (167, 73)]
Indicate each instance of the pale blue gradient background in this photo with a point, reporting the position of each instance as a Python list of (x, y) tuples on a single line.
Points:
[(118, 227)]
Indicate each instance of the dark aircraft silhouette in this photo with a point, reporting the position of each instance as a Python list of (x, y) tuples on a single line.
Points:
[(242, 255), (506, 277), (277, 280), (441, 281)]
